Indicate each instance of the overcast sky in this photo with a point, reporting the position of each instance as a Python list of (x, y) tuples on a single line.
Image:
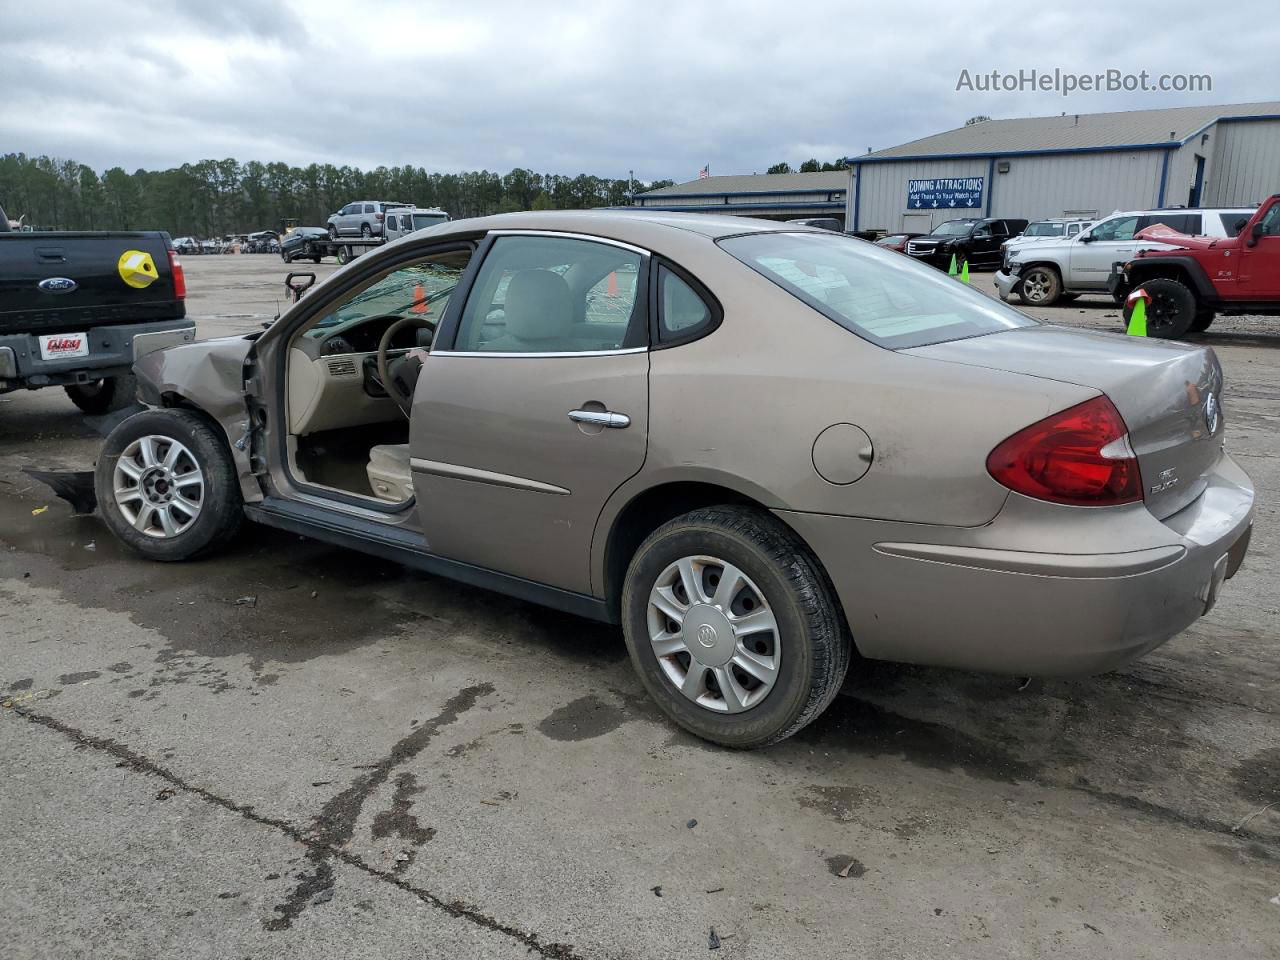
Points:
[(570, 87)]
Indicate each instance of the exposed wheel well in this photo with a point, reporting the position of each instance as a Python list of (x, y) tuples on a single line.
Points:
[(1162, 271)]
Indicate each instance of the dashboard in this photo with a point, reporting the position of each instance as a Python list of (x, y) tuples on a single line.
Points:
[(362, 336)]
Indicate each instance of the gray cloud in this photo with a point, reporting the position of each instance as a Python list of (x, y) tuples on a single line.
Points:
[(570, 87)]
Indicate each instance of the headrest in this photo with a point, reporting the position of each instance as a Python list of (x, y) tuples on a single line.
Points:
[(538, 306)]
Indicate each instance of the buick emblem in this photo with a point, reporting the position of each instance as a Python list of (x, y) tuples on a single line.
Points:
[(1211, 413), (707, 635), (57, 285)]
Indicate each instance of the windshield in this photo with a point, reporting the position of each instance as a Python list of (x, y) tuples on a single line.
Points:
[(877, 294), (1044, 230), (953, 228), (421, 220)]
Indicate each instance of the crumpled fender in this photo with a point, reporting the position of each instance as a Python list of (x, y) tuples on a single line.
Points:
[(1159, 233), (207, 375)]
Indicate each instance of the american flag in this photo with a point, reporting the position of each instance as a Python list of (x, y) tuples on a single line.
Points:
[(704, 172)]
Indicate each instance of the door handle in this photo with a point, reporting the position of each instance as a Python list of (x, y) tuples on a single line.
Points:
[(601, 418)]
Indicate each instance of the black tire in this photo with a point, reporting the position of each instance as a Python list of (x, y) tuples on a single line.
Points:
[(104, 396), (1203, 321), (315, 258), (221, 509), (813, 643), (342, 256), (1172, 310), (285, 257), (366, 231), (1041, 285), (333, 232)]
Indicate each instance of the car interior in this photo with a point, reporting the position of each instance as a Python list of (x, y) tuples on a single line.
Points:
[(346, 431), (534, 294)]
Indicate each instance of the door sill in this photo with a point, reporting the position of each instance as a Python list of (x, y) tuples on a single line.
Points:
[(409, 548)]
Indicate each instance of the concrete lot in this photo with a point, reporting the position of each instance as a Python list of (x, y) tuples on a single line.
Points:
[(294, 751)]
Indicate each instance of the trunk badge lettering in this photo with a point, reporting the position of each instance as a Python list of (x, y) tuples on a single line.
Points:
[(1168, 479)]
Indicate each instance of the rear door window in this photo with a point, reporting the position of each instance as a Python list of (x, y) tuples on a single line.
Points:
[(873, 292)]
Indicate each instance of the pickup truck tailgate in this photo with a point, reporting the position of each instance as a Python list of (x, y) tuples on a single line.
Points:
[(63, 282)]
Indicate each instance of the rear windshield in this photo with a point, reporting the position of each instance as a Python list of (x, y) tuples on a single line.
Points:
[(882, 297)]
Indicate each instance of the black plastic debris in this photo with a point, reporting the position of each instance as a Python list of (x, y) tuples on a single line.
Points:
[(713, 942), (73, 486)]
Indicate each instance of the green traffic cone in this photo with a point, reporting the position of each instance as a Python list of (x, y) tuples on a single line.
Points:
[(1138, 318), (964, 272), (951, 270)]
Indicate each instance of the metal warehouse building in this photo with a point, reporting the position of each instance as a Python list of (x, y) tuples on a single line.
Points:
[(1077, 164), (778, 196)]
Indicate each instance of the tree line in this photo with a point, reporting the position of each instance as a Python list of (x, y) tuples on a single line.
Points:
[(218, 197)]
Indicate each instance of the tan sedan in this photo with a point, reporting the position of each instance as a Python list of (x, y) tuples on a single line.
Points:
[(758, 447)]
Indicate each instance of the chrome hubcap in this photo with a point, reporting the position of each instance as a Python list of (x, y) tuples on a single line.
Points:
[(1036, 286), (714, 634), (158, 486)]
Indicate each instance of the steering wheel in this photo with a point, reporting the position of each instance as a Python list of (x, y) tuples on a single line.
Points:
[(403, 401)]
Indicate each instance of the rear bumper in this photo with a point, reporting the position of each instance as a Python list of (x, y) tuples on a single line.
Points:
[(112, 351), (986, 599)]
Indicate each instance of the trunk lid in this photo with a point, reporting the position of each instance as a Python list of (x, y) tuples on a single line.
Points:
[(1170, 395)]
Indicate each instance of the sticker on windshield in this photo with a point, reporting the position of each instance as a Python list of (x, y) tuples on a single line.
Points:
[(137, 269)]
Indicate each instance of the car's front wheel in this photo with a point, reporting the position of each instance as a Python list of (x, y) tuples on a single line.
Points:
[(1041, 286), (733, 627), (167, 485), (333, 232)]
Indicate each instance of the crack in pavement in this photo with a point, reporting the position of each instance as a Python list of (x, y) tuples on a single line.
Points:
[(319, 844)]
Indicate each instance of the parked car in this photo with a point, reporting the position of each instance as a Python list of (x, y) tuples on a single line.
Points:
[(1039, 231), (1044, 273), (263, 241), (185, 246), (298, 244), (822, 223), (971, 239), (403, 221), (78, 307), (1186, 282), (363, 218), (751, 444), (897, 241)]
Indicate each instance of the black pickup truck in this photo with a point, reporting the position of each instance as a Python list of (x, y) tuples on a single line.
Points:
[(78, 308)]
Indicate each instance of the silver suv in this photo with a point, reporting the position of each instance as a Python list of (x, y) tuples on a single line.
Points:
[(362, 218), (1043, 273)]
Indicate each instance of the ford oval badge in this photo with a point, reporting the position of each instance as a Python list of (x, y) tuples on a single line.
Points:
[(57, 285)]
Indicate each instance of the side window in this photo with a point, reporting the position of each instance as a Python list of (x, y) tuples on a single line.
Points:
[(1233, 223), (682, 313), (1117, 228), (1073, 229), (537, 294), (982, 231), (392, 223)]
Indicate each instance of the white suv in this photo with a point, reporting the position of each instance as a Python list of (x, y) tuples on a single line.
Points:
[(407, 220), (1045, 272)]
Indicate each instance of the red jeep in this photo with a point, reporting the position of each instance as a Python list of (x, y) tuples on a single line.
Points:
[(1186, 288)]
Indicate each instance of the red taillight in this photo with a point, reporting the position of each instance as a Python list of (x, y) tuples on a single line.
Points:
[(179, 278), (380, 216), (1080, 456)]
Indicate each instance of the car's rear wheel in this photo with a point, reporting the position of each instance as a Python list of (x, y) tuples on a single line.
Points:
[(733, 627), (1041, 286), (333, 232), (167, 485), (366, 231), (1172, 309), (104, 396)]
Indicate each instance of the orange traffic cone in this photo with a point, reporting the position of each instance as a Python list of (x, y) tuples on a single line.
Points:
[(420, 304), (613, 283)]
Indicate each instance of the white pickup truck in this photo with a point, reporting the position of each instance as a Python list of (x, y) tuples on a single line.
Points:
[(1043, 273)]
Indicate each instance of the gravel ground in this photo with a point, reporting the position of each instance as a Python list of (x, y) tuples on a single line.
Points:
[(290, 750)]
